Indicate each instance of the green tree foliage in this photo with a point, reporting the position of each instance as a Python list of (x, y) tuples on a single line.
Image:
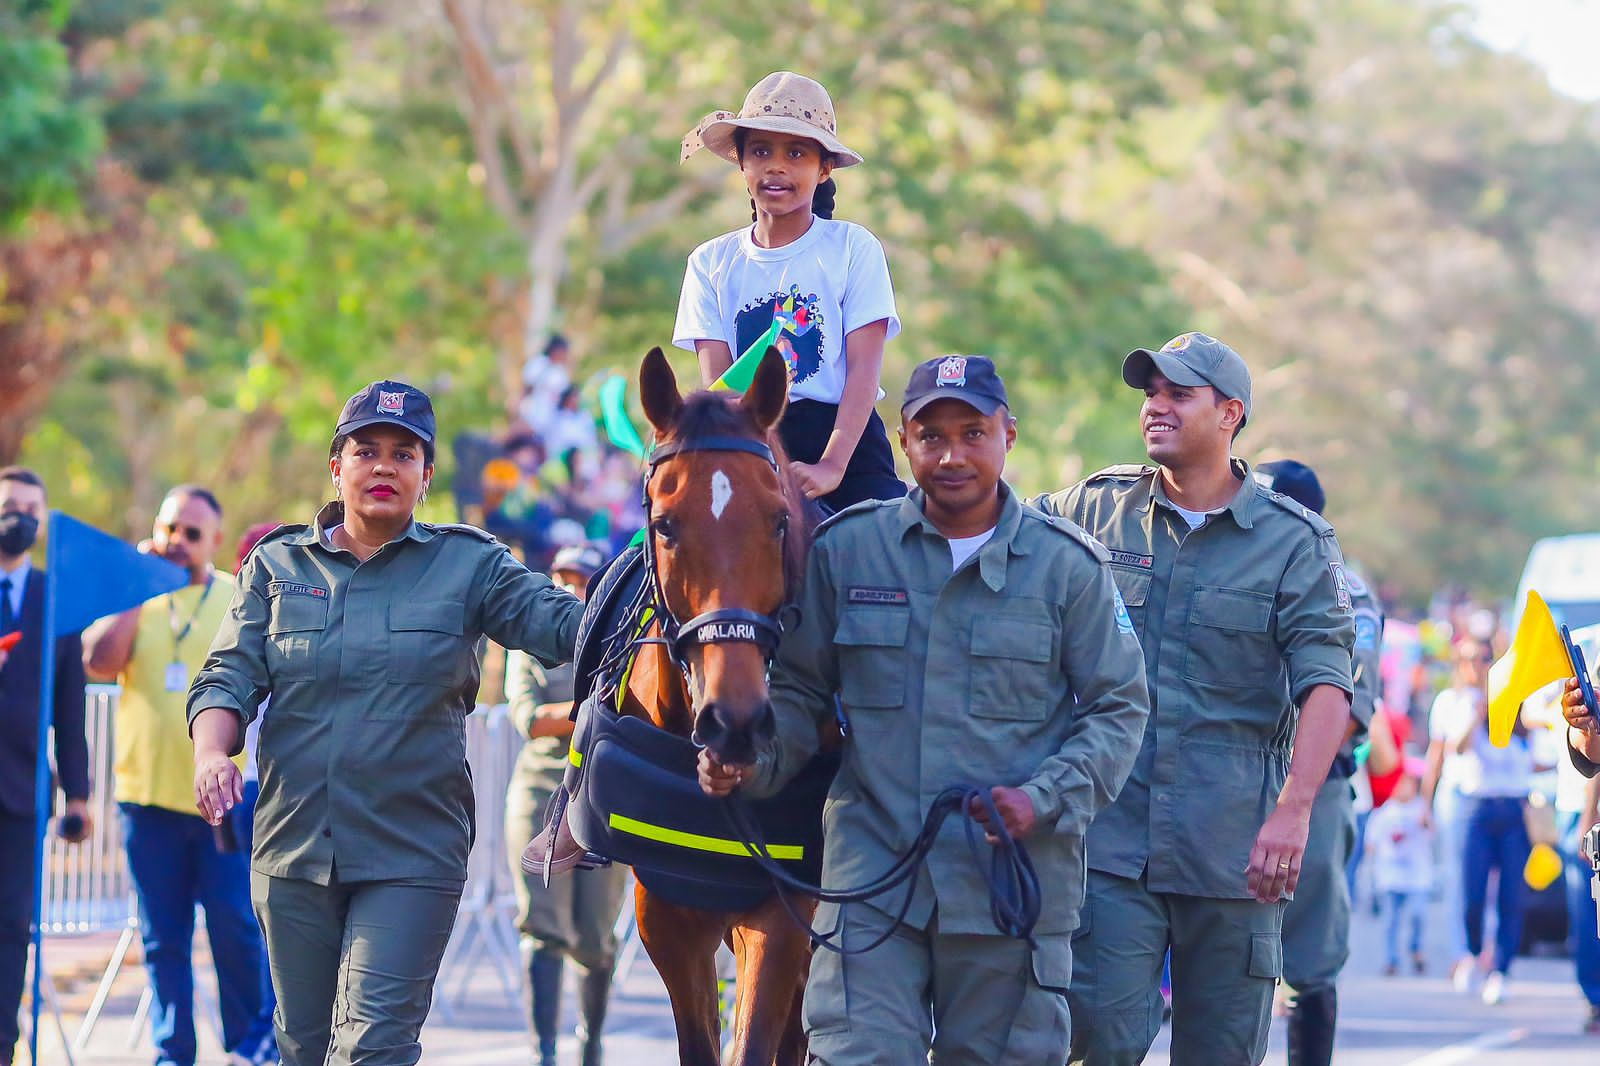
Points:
[(272, 203)]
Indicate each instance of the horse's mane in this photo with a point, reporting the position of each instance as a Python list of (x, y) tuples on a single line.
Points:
[(718, 414)]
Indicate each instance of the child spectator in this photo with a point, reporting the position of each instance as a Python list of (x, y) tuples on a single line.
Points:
[(1400, 847)]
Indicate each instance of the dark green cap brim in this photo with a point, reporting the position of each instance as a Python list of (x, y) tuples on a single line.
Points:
[(1142, 362)]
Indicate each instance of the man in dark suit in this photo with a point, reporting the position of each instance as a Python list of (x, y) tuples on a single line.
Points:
[(22, 509)]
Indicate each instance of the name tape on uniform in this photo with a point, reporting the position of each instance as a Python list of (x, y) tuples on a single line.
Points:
[(882, 597), (295, 588), (1143, 562)]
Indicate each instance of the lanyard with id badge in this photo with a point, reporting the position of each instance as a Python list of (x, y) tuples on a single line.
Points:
[(177, 678)]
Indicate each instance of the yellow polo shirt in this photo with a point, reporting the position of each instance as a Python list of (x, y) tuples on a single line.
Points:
[(155, 759)]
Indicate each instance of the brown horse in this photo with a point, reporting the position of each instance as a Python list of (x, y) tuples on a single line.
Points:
[(729, 534)]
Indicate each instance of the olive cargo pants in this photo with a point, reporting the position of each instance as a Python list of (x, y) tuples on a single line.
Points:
[(977, 1000), (353, 965), (1227, 956)]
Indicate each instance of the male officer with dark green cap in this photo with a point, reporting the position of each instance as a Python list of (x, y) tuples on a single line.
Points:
[(1244, 610), (971, 639), (1316, 926)]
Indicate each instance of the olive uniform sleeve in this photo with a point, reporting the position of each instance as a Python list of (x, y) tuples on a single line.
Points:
[(1315, 619), (525, 685), (235, 671), (1104, 665), (804, 680), (523, 609), (1368, 653)]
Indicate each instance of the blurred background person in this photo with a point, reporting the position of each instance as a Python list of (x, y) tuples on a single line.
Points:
[(175, 858), (573, 917), (23, 507), (1400, 845)]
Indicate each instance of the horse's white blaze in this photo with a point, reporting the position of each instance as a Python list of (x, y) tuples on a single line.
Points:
[(721, 493)]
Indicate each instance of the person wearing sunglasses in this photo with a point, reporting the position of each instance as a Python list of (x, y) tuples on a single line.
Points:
[(175, 858)]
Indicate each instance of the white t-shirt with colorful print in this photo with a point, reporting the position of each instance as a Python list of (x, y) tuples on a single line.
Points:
[(804, 297)]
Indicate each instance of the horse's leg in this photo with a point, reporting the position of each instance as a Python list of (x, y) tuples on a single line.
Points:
[(774, 956), (682, 942)]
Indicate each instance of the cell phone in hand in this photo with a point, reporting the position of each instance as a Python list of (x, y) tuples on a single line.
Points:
[(1580, 670)]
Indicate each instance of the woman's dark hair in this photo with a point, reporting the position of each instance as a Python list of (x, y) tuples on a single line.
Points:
[(338, 446), (821, 199)]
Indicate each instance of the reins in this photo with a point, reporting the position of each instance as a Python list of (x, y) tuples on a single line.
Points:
[(1014, 890)]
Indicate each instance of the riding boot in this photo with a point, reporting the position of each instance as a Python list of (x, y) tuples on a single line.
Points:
[(1311, 1024), (594, 994), (544, 1000), (557, 838)]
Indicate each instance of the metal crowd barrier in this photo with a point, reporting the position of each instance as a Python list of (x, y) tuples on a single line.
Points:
[(88, 889)]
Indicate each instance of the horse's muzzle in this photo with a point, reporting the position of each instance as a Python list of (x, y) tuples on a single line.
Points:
[(735, 737)]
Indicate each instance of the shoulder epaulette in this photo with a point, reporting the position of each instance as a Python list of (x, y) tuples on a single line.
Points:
[(864, 507), (1069, 529), (461, 527), (1123, 471), (288, 529), (1319, 525)]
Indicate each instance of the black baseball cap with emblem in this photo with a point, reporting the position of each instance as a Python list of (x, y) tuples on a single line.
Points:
[(393, 402), (972, 379)]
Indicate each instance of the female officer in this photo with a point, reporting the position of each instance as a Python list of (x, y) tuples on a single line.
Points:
[(363, 629)]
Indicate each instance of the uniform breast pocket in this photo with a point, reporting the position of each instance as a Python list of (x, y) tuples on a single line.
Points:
[(1012, 663), (1230, 640), (1134, 587), (872, 661), (427, 645), (294, 635)]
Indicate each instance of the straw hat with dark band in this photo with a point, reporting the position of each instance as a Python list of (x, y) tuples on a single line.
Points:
[(782, 102)]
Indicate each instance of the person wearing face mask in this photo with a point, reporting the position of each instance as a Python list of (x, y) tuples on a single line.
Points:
[(363, 628), (175, 858), (22, 509)]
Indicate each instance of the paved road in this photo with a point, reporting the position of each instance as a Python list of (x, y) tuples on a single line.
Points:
[(1406, 1021)]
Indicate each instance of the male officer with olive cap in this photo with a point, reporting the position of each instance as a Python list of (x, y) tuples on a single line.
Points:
[(1243, 608), (971, 639), (1316, 927)]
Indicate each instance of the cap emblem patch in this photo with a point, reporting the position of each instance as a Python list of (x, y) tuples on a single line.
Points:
[(391, 403), (953, 371), (1178, 343)]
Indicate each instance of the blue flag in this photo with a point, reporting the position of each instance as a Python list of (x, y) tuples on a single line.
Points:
[(96, 574), (88, 575)]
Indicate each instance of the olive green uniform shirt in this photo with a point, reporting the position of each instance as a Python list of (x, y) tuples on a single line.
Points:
[(372, 668), (542, 763), (1239, 619), (1020, 669)]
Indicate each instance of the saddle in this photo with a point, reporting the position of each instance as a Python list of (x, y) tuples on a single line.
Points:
[(633, 793)]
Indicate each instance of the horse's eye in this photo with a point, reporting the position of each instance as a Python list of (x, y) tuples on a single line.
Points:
[(663, 529)]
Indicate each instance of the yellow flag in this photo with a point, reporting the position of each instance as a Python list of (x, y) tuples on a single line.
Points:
[(1537, 657)]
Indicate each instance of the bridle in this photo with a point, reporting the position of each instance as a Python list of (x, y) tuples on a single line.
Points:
[(725, 625)]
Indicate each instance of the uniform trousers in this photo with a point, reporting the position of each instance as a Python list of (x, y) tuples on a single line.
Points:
[(1227, 957), (353, 964), (975, 999), (576, 913), (1316, 925)]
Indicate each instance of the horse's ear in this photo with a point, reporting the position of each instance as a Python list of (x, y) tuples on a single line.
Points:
[(769, 392), (658, 392)]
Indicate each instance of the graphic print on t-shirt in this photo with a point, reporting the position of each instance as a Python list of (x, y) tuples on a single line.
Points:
[(788, 321)]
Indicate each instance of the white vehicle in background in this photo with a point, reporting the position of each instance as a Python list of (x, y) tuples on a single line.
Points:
[(1566, 572)]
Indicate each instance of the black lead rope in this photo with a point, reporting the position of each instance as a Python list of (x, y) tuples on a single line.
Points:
[(1014, 892)]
